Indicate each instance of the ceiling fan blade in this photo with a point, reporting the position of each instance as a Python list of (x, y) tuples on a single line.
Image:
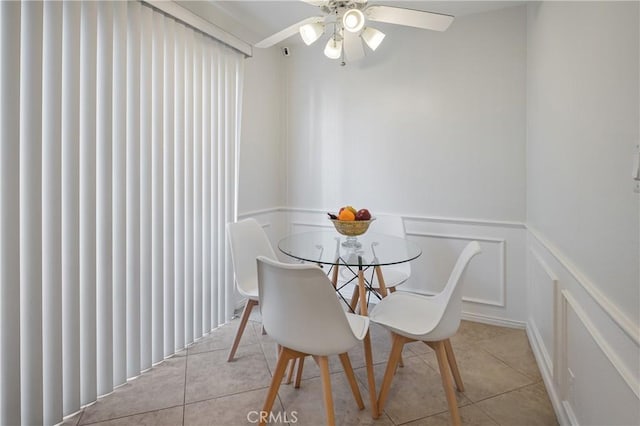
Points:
[(409, 17), (316, 2), (287, 32), (353, 49)]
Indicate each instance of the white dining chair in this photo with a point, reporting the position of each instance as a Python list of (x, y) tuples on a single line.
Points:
[(247, 241), (301, 313), (430, 319)]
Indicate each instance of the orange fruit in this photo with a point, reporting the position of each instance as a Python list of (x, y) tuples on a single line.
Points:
[(346, 214)]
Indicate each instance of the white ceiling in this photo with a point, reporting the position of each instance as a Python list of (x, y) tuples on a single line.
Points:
[(262, 18)]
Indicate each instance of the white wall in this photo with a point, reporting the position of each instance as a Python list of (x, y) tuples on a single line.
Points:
[(262, 171), (427, 116), (583, 216)]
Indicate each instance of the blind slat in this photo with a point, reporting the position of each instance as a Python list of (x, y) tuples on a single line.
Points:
[(52, 220), (31, 212), (146, 28), (157, 287), (178, 208), (168, 188), (188, 187), (88, 40), (104, 195), (71, 206), (133, 190), (10, 389), (120, 88), (197, 185)]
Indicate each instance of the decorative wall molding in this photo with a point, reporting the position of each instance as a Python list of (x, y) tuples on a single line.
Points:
[(436, 219), (547, 356), (261, 212), (491, 320), (623, 321), (559, 406), (467, 221), (568, 301), (501, 267)]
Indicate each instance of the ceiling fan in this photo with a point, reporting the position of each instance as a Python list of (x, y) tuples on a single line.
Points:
[(347, 23)]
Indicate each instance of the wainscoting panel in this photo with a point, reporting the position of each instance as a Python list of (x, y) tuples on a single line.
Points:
[(595, 389), (542, 300), (587, 353), (485, 280)]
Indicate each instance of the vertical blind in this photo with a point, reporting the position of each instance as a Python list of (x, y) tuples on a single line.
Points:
[(119, 130)]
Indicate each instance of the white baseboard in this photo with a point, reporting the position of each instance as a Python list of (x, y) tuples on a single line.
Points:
[(500, 322)]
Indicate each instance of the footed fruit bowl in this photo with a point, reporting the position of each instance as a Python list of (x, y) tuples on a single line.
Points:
[(352, 228)]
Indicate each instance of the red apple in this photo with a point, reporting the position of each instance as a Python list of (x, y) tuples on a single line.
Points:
[(363, 214)]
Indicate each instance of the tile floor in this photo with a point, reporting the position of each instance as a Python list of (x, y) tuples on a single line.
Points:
[(198, 387)]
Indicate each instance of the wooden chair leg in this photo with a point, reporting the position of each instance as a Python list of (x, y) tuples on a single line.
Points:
[(292, 367), (394, 357), (278, 374), (348, 370), (453, 365), (323, 362), (354, 299), (400, 361), (299, 373), (447, 384), (243, 323)]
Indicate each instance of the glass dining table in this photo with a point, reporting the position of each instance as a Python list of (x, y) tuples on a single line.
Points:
[(362, 257)]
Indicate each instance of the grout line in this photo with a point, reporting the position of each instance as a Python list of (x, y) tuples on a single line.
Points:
[(135, 414), (184, 392)]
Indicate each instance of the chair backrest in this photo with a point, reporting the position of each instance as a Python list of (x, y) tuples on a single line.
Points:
[(247, 240), (451, 295), (392, 225), (300, 309)]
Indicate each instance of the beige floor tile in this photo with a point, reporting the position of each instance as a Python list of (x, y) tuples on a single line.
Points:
[(232, 410), (496, 364), (222, 338), (528, 406), (380, 342), (470, 415), (514, 350), (161, 387), (209, 375), (307, 403), (472, 332), (416, 391), (483, 375), (166, 417)]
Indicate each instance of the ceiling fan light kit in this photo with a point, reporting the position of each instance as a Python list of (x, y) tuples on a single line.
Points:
[(333, 49), (353, 20), (311, 32), (350, 20), (372, 37)]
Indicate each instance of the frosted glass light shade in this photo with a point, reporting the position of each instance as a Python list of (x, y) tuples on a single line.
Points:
[(372, 37), (353, 20), (311, 32), (333, 49)]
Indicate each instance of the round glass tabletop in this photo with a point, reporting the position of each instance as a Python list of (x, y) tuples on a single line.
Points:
[(329, 247)]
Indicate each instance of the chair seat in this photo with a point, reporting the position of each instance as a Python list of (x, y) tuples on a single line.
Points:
[(359, 325), (408, 314), (250, 291)]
